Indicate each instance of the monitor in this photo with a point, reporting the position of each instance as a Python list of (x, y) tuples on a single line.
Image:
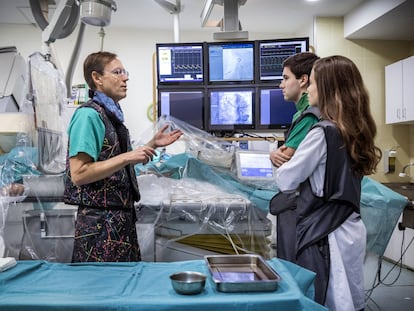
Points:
[(254, 165), (230, 62), (273, 111), (185, 105), (180, 63), (272, 53), (231, 109)]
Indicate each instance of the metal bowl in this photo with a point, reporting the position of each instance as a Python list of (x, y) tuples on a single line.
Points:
[(188, 282)]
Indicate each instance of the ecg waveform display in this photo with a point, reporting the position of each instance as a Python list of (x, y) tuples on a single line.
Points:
[(272, 56), (180, 63), (185, 61)]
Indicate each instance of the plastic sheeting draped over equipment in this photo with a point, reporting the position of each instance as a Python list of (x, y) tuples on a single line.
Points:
[(48, 93)]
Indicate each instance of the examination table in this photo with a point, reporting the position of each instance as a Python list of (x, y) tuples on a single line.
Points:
[(41, 285)]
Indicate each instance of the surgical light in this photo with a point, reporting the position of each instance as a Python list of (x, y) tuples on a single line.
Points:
[(97, 12)]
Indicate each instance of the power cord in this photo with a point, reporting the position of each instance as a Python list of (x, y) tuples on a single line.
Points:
[(381, 281)]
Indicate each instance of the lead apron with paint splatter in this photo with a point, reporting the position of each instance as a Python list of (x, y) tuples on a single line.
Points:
[(105, 225)]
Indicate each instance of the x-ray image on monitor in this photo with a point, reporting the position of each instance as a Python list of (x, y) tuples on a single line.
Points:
[(238, 67), (231, 107), (231, 61)]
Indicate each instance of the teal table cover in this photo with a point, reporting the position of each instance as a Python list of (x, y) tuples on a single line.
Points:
[(42, 285)]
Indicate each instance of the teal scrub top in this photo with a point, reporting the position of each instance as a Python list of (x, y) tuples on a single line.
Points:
[(300, 130), (86, 133)]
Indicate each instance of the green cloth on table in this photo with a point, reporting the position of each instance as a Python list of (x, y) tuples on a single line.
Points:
[(41, 285)]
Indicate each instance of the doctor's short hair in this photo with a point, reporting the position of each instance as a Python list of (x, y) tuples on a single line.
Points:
[(96, 62), (301, 63)]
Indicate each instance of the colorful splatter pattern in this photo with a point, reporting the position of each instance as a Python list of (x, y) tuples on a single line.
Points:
[(104, 235)]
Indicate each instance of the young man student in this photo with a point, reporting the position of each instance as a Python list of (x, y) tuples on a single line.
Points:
[(296, 72)]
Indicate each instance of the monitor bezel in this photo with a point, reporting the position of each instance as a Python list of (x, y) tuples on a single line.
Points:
[(259, 44), (209, 81), (182, 82), (183, 90), (263, 153), (226, 128), (272, 126)]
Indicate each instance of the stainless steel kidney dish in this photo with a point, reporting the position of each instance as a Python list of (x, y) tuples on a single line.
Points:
[(241, 273)]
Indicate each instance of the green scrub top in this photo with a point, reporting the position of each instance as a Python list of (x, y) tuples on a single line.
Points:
[(86, 133), (300, 130)]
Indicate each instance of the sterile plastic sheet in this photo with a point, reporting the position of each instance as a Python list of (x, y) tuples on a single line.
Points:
[(48, 93), (203, 215), (31, 172), (195, 198), (19, 161), (32, 224)]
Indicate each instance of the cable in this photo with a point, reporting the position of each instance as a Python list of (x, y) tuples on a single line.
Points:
[(399, 260), (265, 138), (378, 274)]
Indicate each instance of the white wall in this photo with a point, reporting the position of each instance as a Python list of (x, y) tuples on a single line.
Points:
[(135, 48)]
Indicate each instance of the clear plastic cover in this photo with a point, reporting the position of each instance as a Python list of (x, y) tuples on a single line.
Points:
[(31, 171), (48, 94), (193, 202)]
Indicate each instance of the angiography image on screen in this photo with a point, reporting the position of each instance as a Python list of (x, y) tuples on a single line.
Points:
[(231, 107), (231, 62), (237, 66)]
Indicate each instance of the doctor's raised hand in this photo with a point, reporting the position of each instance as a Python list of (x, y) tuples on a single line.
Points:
[(163, 138)]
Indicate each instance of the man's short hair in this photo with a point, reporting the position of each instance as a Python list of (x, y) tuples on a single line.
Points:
[(301, 63)]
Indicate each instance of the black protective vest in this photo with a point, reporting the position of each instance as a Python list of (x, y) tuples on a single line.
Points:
[(312, 110), (308, 219), (117, 191), (318, 216)]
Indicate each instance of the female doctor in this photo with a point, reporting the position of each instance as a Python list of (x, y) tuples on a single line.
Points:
[(326, 172)]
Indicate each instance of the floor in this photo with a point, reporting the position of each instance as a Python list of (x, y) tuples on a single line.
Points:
[(395, 291)]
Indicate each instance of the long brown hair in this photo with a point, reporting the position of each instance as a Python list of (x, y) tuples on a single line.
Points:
[(344, 100)]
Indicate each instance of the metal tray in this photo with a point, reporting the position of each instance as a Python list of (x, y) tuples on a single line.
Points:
[(241, 273)]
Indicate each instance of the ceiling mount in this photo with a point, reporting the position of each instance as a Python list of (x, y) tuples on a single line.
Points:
[(170, 7), (175, 10), (230, 24)]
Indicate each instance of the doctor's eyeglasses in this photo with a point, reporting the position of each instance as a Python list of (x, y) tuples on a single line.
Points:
[(119, 72)]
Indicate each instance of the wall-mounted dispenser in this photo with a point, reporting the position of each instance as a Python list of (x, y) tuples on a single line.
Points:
[(389, 161)]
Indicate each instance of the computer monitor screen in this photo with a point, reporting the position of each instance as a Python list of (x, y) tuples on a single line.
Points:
[(272, 53), (231, 62), (274, 111), (188, 106), (254, 165), (180, 63), (231, 109)]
